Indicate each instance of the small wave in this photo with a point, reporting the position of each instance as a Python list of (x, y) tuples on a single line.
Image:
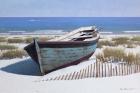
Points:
[(106, 32), (33, 20), (49, 32), (16, 31), (4, 33), (137, 31)]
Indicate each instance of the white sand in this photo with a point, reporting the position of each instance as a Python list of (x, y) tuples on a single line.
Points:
[(20, 76)]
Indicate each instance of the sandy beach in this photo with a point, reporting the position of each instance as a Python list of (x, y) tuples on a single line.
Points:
[(22, 75), (69, 46)]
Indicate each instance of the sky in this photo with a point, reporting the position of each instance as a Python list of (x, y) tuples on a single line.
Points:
[(69, 8)]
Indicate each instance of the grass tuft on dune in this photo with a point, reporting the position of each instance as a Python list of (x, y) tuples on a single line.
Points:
[(13, 54)]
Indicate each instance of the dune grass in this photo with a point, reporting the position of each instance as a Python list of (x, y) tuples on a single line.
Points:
[(13, 54), (129, 58), (15, 40), (102, 43), (113, 54), (28, 40), (3, 39), (43, 39), (123, 41), (131, 46), (136, 38), (137, 58), (120, 40), (100, 57), (118, 55), (7, 47)]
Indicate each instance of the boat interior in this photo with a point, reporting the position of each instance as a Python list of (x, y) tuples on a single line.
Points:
[(81, 34)]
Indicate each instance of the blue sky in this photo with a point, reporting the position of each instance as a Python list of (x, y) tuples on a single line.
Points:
[(69, 8)]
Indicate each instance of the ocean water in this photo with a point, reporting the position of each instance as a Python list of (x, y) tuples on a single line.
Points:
[(29, 24)]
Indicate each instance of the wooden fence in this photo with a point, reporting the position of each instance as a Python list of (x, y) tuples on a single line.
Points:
[(99, 69)]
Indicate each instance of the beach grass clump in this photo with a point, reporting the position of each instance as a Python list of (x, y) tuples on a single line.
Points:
[(7, 47), (107, 52), (100, 57), (28, 40), (120, 40), (43, 39), (102, 43), (118, 54), (132, 58), (13, 54), (16, 37), (131, 46), (129, 58), (137, 58), (15, 40), (3, 39), (112, 54), (136, 38)]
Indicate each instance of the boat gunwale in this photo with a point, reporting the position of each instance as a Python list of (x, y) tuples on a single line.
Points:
[(66, 42), (55, 44)]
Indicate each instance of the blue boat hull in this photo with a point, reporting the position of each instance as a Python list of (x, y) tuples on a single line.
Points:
[(51, 56)]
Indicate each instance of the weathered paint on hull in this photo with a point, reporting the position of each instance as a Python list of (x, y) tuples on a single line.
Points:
[(53, 55), (52, 58)]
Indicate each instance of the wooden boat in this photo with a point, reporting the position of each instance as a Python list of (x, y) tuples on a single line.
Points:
[(70, 49)]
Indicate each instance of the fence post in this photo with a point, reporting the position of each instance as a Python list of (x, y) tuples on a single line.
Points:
[(116, 71), (105, 69), (91, 70), (136, 68), (108, 70), (66, 77), (69, 76), (76, 76), (99, 69), (80, 74), (88, 71), (119, 69), (122, 69), (72, 75), (111, 69), (96, 69), (55, 78), (62, 77), (139, 67), (59, 77), (83, 72), (131, 67), (125, 69), (102, 69)]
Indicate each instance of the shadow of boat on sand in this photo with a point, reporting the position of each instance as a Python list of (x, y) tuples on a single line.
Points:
[(25, 67)]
